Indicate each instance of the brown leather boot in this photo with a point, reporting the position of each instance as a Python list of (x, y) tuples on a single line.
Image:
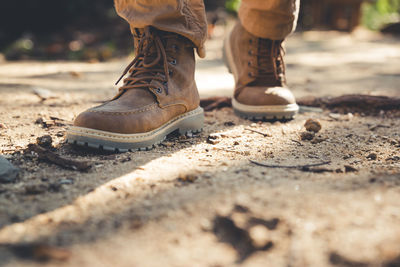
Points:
[(158, 97), (259, 71)]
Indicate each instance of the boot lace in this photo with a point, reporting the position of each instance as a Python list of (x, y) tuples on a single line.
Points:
[(268, 52), (151, 63)]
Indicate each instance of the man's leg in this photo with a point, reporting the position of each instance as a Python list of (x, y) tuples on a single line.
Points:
[(184, 17), (255, 56), (271, 19), (159, 93)]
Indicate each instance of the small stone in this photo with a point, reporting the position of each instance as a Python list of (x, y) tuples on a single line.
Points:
[(335, 116), (372, 156), (348, 168), (229, 123), (8, 172), (3, 126), (187, 178), (44, 141), (259, 235), (39, 120), (393, 142), (66, 181), (313, 125), (127, 159), (349, 156), (43, 94), (349, 116), (168, 144), (45, 123), (307, 136), (213, 139), (205, 225)]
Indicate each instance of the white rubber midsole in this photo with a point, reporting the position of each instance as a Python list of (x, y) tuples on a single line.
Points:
[(270, 109), (138, 137)]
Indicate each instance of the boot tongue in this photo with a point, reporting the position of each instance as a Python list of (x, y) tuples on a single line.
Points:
[(266, 64), (149, 51), (149, 46), (265, 55), (149, 70)]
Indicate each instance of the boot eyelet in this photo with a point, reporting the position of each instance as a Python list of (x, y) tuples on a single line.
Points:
[(250, 41), (173, 62), (170, 73), (158, 90), (249, 64), (175, 47), (250, 52), (251, 75)]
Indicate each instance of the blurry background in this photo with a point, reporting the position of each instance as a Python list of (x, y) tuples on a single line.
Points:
[(82, 30)]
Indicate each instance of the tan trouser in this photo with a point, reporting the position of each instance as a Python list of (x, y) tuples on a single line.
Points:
[(273, 19)]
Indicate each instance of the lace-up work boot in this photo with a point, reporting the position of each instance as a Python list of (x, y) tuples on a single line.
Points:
[(159, 96), (259, 71)]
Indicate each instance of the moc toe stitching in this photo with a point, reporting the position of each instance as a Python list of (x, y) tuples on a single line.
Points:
[(116, 113)]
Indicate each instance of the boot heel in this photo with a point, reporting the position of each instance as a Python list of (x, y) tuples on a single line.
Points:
[(193, 123)]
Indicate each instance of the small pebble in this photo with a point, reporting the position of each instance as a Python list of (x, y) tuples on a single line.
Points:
[(307, 136), (335, 116), (44, 141), (259, 235), (213, 139), (372, 156), (8, 172), (66, 181), (39, 120), (229, 123), (187, 178), (43, 94), (348, 168), (312, 125)]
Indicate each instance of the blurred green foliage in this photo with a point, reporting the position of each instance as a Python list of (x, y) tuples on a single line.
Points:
[(232, 5), (381, 12)]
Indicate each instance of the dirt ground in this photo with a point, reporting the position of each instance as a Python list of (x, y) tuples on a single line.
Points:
[(203, 201)]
